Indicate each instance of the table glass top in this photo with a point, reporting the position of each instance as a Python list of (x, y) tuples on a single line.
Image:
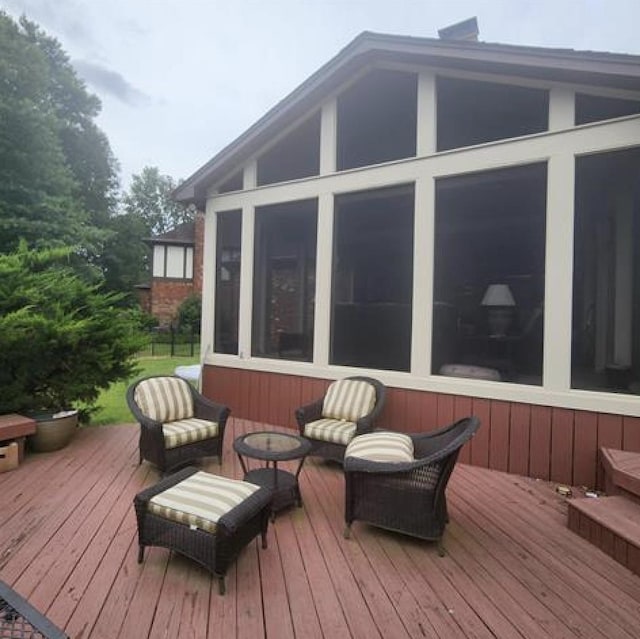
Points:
[(273, 442)]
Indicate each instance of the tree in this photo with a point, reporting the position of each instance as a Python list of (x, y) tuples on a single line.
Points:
[(149, 197), (58, 178), (125, 258), (63, 339), (86, 148)]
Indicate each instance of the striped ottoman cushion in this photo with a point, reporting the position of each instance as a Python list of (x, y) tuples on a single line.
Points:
[(164, 399), (349, 399), (336, 431), (200, 500), (381, 446), (187, 431)]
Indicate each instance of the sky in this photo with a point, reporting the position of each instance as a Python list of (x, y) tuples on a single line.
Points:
[(181, 79)]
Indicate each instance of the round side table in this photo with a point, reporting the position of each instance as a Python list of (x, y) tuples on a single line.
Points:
[(274, 447)]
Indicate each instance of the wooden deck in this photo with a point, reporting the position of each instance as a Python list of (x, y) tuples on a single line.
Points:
[(513, 569)]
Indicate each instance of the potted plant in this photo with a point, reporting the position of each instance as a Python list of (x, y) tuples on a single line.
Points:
[(62, 340)]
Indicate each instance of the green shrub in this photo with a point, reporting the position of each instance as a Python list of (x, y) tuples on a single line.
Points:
[(62, 338), (189, 314)]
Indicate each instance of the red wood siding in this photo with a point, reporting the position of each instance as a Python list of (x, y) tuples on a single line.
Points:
[(553, 444)]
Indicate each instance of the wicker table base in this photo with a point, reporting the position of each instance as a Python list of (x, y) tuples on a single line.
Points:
[(20, 620)]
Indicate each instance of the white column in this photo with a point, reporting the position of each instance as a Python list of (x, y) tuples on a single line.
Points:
[(426, 133), (208, 281), (423, 250), (328, 137), (324, 259), (561, 109), (250, 175), (246, 281), (559, 272)]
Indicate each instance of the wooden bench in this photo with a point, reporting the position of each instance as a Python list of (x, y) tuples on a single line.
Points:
[(612, 523), (621, 472), (14, 427)]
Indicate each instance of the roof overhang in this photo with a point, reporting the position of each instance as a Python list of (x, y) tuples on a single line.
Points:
[(617, 71)]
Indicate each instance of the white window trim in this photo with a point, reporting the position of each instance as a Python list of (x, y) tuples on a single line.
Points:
[(187, 254), (557, 147)]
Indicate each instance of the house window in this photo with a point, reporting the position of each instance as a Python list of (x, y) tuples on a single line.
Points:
[(606, 275), (373, 279), (595, 108), (489, 275), (284, 280), (173, 261), (295, 156), (234, 183), (227, 303), (472, 112), (377, 119)]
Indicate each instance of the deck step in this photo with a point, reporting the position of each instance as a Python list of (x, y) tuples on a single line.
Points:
[(621, 472), (610, 523)]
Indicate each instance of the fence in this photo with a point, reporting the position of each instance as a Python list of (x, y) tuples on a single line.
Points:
[(172, 343)]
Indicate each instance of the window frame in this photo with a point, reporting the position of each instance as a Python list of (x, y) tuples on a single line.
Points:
[(557, 146)]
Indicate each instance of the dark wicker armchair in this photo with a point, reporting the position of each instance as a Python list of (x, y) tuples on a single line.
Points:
[(406, 496), (178, 425), (348, 408)]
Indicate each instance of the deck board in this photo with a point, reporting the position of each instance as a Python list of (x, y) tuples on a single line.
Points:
[(68, 544)]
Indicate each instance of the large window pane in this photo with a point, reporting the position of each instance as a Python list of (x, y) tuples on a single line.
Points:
[(175, 261), (377, 119), (373, 279), (606, 275), (159, 251), (284, 280), (228, 258), (295, 156), (471, 112), (595, 108), (489, 275), (234, 183)]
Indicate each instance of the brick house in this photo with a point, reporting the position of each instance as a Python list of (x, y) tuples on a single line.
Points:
[(176, 270)]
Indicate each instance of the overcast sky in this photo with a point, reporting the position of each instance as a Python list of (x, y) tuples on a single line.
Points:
[(180, 79)]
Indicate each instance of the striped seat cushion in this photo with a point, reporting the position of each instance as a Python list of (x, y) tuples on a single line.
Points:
[(349, 399), (164, 399), (336, 431), (381, 446), (200, 500), (187, 431)]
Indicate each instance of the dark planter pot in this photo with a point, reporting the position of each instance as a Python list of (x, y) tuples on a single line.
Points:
[(53, 431)]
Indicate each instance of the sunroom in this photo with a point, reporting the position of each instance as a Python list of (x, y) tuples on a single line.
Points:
[(460, 220)]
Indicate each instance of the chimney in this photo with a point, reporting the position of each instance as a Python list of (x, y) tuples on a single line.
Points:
[(465, 30)]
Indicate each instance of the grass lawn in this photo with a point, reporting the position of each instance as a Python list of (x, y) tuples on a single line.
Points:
[(113, 404)]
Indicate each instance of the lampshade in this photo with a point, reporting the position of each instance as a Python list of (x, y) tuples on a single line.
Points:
[(498, 295)]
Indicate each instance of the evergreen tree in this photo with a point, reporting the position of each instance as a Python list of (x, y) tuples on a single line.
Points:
[(63, 339)]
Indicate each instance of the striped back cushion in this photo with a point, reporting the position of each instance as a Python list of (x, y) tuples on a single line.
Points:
[(381, 446), (349, 399), (164, 399), (201, 499)]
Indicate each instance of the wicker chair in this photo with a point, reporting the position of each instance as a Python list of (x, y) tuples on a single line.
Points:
[(404, 492), (348, 408), (178, 425)]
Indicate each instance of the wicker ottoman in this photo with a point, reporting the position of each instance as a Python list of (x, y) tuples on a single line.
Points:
[(205, 517)]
